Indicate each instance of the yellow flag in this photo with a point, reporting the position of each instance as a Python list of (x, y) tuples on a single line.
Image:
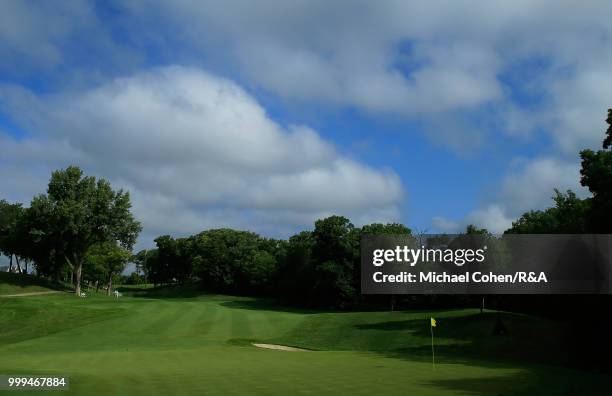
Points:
[(433, 322)]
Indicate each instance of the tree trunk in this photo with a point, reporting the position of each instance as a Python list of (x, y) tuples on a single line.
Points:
[(110, 284), (10, 263), (26, 265), (18, 265), (79, 268)]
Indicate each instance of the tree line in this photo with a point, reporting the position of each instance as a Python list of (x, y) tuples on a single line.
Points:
[(313, 268), (80, 224)]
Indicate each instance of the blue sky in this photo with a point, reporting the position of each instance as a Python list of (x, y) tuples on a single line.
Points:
[(266, 116)]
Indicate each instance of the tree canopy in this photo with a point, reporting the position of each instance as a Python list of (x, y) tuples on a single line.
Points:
[(570, 214), (78, 212), (105, 260)]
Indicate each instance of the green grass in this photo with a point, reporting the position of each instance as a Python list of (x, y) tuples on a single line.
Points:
[(11, 283), (201, 345), (460, 333)]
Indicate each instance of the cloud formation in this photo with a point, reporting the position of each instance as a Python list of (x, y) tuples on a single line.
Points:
[(470, 74), (530, 65), (530, 185), (196, 151)]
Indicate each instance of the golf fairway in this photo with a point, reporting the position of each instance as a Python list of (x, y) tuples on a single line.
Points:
[(203, 345)]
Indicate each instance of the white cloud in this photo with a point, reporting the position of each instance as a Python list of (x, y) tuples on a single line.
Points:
[(579, 106), (415, 59), (466, 70), (442, 224), (198, 151), (532, 185), (344, 53), (492, 217), (409, 58), (64, 38), (30, 31)]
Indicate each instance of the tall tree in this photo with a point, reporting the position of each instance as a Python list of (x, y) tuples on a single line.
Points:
[(596, 175), (379, 229), (79, 211), (335, 251), (140, 259), (10, 244), (568, 216), (295, 275)]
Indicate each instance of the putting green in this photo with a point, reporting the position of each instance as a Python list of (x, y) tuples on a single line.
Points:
[(203, 346)]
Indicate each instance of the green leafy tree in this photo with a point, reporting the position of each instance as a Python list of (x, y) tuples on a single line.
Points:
[(151, 266), (42, 246), (166, 257), (78, 212), (106, 260), (568, 216), (295, 276), (134, 279), (471, 229), (239, 261), (336, 252), (261, 268), (386, 229), (596, 175), (380, 229), (175, 258), (10, 235)]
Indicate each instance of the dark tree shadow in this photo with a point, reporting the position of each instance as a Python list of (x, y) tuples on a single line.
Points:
[(478, 336), (24, 280), (528, 383), (169, 291), (264, 304)]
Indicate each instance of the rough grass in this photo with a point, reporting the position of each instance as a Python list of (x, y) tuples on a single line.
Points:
[(201, 345)]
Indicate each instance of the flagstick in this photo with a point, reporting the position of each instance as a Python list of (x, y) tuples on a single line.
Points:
[(433, 358)]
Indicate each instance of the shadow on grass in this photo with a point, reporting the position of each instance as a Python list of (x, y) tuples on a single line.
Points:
[(527, 383), (264, 304), (194, 290), (25, 280), (534, 351), (190, 290), (496, 336)]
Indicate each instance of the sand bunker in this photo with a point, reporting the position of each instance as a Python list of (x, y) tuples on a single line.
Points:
[(280, 347)]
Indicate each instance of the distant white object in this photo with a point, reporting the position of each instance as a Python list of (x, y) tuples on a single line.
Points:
[(117, 294), (83, 294)]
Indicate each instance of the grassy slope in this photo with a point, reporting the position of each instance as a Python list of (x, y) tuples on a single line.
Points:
[(20, 283), (459, 334), (199, 345)]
